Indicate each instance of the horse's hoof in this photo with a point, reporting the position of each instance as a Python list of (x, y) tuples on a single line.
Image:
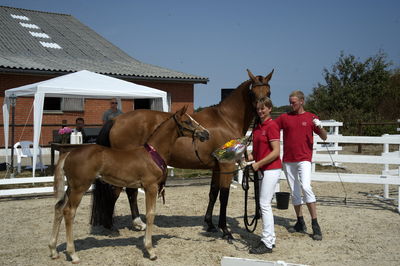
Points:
[(138, 224), (54, 257), (75, 259), (153, 257), (228, 236), (212, 229)]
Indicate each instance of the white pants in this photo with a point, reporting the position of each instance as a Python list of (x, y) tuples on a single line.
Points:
[(298, 175), (267, 189)]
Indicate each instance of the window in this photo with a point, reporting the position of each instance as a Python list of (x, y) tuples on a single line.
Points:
[(73, 104), (52, 104), (64, 104), (142, 104)]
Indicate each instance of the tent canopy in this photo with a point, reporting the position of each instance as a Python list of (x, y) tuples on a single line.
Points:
[(79, 84)]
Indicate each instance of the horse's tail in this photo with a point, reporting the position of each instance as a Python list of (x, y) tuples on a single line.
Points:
[(104, 136), (59, 181), (103, 196)]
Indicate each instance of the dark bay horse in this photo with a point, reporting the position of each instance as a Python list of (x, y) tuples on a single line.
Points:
[(228, 120), (133, 168)]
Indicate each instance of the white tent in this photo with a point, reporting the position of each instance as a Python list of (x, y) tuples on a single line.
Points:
[(79, 84)]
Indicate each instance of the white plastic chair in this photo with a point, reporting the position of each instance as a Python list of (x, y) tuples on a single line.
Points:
[(23, 150)]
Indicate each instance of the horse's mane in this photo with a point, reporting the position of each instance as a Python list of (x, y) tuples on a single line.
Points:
[(243, 85), (162, 123)]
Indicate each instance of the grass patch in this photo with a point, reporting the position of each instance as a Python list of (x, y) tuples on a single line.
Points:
[(191, 173)]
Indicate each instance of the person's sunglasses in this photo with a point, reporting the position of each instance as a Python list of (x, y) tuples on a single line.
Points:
[(114, 102)]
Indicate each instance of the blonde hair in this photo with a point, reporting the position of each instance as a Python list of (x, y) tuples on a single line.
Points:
[(265, 101), (297, 93)]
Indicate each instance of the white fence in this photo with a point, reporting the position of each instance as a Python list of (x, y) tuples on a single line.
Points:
[(387, 177)]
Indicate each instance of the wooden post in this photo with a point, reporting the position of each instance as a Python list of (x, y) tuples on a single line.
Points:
[(359, 134), (386, 168)]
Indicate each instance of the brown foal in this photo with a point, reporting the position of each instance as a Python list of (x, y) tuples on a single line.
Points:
[(133, 168)]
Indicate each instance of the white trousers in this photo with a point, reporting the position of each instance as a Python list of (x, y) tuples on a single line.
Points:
[(298, 175), (267, 190)]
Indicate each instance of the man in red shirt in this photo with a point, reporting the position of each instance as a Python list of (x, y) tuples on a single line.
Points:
[(298, 127)]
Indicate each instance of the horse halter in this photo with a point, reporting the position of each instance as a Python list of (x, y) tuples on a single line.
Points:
[(258, 84), (182, 128)]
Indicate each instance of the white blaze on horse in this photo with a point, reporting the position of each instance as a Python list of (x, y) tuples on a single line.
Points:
[(139, 167)]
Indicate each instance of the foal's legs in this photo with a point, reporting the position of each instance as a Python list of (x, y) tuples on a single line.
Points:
[(151, 196), (58, 215), (74, 198), (137, 223)]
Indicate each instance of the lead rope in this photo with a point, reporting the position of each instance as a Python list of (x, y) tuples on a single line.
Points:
[(337, 172), (246, 186)]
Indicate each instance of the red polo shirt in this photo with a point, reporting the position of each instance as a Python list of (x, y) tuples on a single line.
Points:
[(263, 134), (297, 136)]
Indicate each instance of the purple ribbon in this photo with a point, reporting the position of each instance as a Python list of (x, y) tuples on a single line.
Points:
[(156, 157)]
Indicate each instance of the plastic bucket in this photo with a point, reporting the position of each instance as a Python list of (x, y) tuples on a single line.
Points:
[(282, 200)]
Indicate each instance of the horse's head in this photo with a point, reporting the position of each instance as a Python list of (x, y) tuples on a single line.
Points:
[(189, 127), (259, 86)]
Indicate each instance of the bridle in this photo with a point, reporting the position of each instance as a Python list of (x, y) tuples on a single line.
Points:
[(252, 96), (257, 84), (182, 129)]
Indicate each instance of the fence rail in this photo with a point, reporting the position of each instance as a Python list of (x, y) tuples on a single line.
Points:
[(386, 177)]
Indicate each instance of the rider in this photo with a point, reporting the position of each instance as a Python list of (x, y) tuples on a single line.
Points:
[(266, 150)]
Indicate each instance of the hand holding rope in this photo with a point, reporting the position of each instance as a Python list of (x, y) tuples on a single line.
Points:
[(246, 186)]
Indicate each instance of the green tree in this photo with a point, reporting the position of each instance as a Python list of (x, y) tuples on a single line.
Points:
[(352, 92), (389, 105)]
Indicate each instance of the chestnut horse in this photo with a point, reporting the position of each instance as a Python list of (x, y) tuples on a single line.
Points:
[(228, 120), (133, 168)]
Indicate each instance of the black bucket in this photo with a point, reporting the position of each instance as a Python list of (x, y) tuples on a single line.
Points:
[(282, 200)]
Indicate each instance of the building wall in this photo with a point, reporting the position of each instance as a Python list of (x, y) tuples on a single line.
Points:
[(181, 94)]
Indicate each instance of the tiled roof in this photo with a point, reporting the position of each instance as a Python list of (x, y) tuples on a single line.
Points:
[(42, 41)]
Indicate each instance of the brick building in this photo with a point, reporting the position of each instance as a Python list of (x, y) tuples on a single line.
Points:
[(36, 46)]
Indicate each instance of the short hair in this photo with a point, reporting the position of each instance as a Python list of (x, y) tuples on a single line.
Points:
[(297, 93), (266, 101), (79, 119)]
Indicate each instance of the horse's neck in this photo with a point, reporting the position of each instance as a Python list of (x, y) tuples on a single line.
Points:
[(164, 137), (237, 109)]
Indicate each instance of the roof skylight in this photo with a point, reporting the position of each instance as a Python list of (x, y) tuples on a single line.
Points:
[(50, 45), (39, 34), (30, 26), (19, 17)]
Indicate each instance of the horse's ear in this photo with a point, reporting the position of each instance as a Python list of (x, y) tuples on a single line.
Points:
[(268, 77), (251, 76), (183, 110)]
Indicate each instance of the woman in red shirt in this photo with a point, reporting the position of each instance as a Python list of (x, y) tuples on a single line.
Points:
[(266, 151)]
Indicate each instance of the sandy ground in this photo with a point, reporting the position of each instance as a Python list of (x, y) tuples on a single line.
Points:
[(365, 231)]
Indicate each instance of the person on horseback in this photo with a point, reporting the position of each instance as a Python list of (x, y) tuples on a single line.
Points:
[(298, 127), (266, 150)]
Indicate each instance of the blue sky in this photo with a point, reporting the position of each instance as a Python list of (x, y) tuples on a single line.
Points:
[(221, 39)]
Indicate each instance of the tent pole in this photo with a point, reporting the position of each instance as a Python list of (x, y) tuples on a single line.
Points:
[(13, 101)]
